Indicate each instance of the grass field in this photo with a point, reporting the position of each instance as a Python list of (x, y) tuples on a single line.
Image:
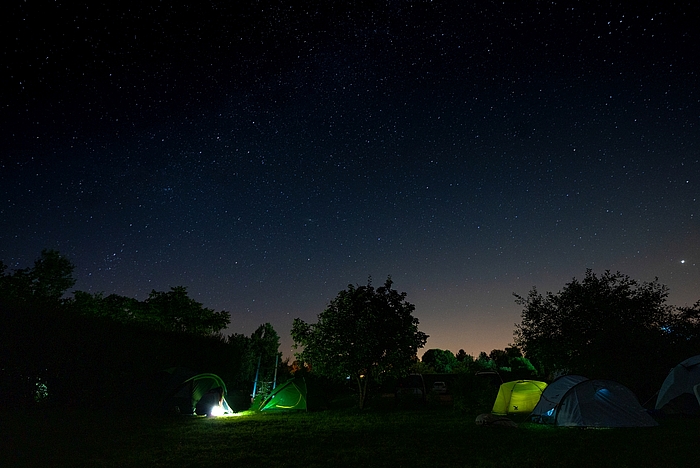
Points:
[(373, 438)]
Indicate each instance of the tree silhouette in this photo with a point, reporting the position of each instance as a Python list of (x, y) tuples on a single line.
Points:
[(175, 311), (172, 311), (366, 334), (46, 282), (442, 361), (607, 326)]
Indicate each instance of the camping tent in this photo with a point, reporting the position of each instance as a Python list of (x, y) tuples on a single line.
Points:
[(291, 395), (676, 395), (551, 396), (198, 394), (601, 403), (518, 396)]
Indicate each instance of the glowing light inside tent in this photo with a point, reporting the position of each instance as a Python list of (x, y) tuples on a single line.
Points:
[(220, 411)]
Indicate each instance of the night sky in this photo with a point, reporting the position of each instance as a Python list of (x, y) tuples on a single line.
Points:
[(267, 155)]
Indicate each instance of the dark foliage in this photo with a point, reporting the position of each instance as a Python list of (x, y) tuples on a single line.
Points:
[(97, 352), (95, 362), (366, 334), (163, 311), (607, 326)]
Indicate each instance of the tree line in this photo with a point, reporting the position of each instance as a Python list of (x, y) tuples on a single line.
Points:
[(606, 326), (509, 363), (94, 349)]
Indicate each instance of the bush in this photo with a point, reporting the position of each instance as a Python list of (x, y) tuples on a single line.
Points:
[(473, 393)]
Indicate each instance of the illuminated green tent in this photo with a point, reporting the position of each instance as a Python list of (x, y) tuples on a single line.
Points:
[(518, 396), (291, 395), (198, 394)]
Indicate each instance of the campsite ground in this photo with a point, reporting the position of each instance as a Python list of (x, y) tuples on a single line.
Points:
[(377, 437)]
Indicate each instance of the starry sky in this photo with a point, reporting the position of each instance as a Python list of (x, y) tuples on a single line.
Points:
[(266, 154)]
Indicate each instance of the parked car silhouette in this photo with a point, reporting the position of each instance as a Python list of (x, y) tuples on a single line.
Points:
[(439, 388)]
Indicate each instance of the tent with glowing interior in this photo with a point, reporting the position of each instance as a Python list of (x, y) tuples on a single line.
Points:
[(518, 397), (290, 395), (186, 393), (599, 403), (551, 396), (679, 392)]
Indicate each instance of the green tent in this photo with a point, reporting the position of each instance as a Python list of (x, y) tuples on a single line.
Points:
[(518, 396), (291, 395), (205, 393)]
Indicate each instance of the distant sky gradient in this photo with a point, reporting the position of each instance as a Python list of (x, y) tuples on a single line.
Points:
[(266, 155)]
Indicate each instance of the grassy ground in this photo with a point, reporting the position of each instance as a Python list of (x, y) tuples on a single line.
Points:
[(436, 437)]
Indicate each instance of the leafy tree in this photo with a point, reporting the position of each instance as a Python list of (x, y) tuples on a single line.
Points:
[(261, 349), (442, 361), (484, 362), (420, 367), (462, 356), (174, 310), (52, 275), (465, 364), (499, 358), (607, 326), (115, 307), (31, 304), (522, 367), (47, 281), (241, 346), (510, 364), (365, 333), (264, 346), (265, 342), (167, 311), (684, 331)]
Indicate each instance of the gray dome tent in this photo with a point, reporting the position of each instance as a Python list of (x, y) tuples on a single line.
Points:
[(677, 395), (601, 403), (545, 410)]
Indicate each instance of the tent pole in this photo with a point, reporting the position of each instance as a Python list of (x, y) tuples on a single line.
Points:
[(274, 382), (255, 384)]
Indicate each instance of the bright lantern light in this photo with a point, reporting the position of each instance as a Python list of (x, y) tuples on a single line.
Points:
[(217, 411)]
